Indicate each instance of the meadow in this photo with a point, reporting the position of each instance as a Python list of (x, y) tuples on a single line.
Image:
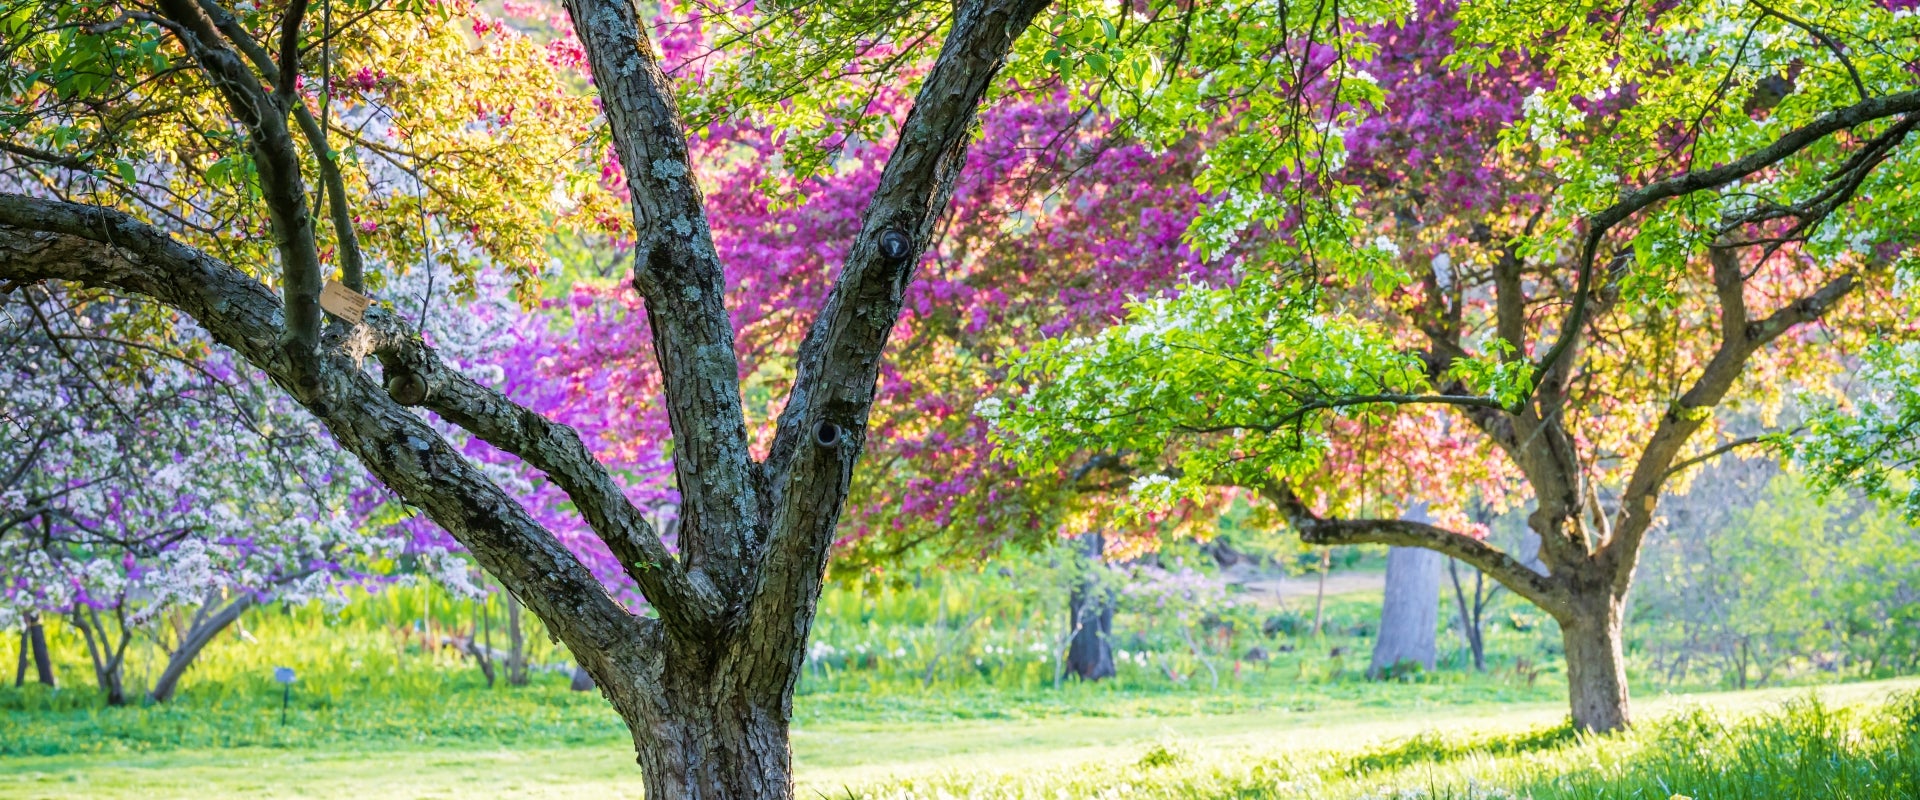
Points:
[(944, 684)]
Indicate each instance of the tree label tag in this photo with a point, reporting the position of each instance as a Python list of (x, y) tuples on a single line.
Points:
[(342, 302)]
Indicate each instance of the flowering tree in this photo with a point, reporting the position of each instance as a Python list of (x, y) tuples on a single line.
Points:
[(1873, 442), (155, 486), (1636, 234), (705, 685)]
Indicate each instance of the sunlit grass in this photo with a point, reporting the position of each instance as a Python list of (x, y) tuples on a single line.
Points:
[(1806, 749)]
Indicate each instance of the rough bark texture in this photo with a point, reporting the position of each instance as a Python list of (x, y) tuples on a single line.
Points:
[(1410, 613), (706, 687), (1597, 667)]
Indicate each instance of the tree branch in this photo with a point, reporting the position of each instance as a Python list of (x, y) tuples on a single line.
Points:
[(281, 186), (1545, 591), (352, 262), (98, 247), (822, 429), (1603, 221), (678, 272), (1691, 412), (1744, 441), (687, 602)]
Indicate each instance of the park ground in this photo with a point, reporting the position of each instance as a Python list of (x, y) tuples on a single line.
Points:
[(943, 687), (835, 757)]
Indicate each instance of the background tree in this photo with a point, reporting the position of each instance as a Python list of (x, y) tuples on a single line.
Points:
[(1664, 226), (159, 490)]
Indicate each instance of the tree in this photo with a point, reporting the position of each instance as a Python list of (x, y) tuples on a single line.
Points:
[(152, 486), (1664, 214), (706, 685)]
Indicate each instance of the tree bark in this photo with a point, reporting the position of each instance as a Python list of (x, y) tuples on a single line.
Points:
[(205, 628), (706, 686), (1410, 612), (1090, 615), (1596, 665), (35, 637)]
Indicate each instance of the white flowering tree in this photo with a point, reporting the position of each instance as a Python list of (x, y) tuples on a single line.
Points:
[(158, 489)]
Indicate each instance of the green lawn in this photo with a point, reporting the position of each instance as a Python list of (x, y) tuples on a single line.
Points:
[(1276, 752)]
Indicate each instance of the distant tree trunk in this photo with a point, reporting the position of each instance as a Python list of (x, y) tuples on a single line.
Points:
[(1411, 611), (1596, 664), (1090, 615), (482, 650), (1320, 594), (33, 637), (204, 629), (516, 644), (1471, 612), (107, 655), (582, 681)]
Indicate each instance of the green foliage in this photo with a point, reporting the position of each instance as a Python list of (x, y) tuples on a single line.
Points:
[(1432, 747), (1251, 363), (1874, 445), (1795, 585)]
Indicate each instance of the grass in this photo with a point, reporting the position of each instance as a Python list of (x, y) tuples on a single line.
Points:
[(945, 686), (1848, 741)]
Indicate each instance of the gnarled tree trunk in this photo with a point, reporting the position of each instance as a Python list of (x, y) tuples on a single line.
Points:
[(706, 681)]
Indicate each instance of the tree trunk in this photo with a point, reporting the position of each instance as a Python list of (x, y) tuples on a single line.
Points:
[(1596, 666), (516, 644), (707, 685), (1090, 615), (108, 656), (1470, 613), (205, 628), (34, 637), (1411, 611), (714, 730), (1320, 593), (582, 681)]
